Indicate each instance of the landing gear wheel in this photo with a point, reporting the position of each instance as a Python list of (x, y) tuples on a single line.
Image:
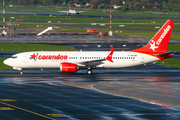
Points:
[(21, 72), (89, 71)]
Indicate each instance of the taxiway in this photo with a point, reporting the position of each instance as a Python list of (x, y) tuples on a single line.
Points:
[(116, 94)]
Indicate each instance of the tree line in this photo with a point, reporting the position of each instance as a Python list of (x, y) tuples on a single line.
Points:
[(126, 5)]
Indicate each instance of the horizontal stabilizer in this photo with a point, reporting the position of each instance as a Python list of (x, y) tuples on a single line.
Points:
[(165, 55)]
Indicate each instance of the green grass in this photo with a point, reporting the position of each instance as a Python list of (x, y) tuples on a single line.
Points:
[(33, 47), (173, 62), (174, 36), (176, 27), (145, 26), (33, 9), (28, 26), (55, 9), (138, 33), (76, 19), (3, 66), (174, 47)]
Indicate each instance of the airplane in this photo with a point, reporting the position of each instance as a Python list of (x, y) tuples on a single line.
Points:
[(72, 61), (71, 12)]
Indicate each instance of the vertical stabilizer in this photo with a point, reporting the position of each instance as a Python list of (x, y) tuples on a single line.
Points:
[(159, 43)]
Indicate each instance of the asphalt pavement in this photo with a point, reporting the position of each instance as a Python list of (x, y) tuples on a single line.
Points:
[(105, 95)]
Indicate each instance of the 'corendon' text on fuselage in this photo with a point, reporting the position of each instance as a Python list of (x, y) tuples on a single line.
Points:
[(48, 57)]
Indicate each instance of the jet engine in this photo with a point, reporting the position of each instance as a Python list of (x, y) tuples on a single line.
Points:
[(68, 67)]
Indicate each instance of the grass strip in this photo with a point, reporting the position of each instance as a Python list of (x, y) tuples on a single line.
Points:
[(174, 36), (33, 47), (173, 62), (55, 9), (174, 47), (76, 19), (3, 66)]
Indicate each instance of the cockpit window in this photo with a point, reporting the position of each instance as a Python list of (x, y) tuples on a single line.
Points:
[(14, 57)]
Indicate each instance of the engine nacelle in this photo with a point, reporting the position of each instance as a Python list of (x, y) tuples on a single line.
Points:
[(68, 67)]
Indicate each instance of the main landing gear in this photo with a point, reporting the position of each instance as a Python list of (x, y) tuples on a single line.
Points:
[(20, 69), (89, 71)]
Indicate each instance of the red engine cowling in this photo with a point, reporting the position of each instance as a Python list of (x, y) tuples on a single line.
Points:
[(68, 67)]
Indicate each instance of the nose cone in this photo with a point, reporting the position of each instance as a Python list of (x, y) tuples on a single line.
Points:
[(7, 62)]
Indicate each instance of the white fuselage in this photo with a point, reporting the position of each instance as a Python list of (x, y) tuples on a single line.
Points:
[(52, 59), (72, 12)]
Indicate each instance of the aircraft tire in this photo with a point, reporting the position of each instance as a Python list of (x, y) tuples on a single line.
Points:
[(89, 71)]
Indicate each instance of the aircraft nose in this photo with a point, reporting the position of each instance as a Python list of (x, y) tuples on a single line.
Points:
[(7, 62)]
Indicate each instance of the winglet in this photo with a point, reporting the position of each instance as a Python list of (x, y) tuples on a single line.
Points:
[(109, 57)]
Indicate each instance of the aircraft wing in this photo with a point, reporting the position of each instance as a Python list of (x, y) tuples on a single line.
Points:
[(94, 63)]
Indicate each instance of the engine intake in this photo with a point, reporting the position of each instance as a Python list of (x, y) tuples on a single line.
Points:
[(68, 67)]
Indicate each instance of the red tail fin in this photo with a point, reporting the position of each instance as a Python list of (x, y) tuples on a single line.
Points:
[(69, 7), (159, 43), (109, 57)]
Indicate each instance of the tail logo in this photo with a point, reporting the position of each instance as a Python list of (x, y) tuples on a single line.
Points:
[(152, 46)]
